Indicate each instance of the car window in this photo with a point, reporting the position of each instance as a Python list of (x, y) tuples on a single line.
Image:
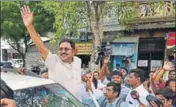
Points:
[(52, 95)]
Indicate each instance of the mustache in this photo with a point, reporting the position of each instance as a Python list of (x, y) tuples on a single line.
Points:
[(63, 54)]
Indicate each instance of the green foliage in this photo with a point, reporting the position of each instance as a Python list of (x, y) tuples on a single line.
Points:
[(11, 21), (128, 11), (69, 17)]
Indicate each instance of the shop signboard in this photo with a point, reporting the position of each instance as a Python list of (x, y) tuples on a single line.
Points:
[(171, 38), (84, 48)]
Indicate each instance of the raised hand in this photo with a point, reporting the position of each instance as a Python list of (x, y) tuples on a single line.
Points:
[(106, 60), (27, 15), (168, 66)]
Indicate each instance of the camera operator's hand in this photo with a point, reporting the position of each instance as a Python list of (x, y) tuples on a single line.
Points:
[(8, 102), (153, 104), (142, 105), (168, 66), (106, 60), (88, 85), (128, 59)]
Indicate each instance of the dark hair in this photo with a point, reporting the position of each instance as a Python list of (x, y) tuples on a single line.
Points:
[(72, 44), (169, 81), (6, 91), (171, 71), (124, 69), (138, 73), (116, 87), (116, 73), (44, 70), (166, 92), (95, 81), (117, 64)]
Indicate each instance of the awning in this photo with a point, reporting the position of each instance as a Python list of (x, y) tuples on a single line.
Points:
[(126, 39), (155, 25)]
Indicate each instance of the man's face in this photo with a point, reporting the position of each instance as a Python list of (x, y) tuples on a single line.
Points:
[(96, 76), (166, 103), (116, 79), (172, 86), (110, 94), (45, 75), (117, 67), (172, 75), (89, 76), (132, 80), (66, 52), (124, 73)]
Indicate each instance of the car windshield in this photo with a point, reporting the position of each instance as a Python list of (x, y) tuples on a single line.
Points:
[(52, 95)]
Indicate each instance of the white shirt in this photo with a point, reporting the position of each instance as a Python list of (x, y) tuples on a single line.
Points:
[(68, 75), (142, 97)]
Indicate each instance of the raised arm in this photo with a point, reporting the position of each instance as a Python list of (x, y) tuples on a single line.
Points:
[(103, 71), (167, 67), (27, 17)]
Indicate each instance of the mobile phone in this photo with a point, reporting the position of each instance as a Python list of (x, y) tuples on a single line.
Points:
[(151, 98)]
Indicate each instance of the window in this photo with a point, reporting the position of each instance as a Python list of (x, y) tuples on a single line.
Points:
[(52, 95)]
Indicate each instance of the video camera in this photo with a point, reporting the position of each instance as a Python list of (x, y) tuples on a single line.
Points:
[(125, 60), (104, 50)]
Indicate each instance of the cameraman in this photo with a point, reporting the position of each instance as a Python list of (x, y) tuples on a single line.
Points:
[(165, 95)]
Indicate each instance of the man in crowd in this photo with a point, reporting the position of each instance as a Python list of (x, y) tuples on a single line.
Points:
[(117, 67), (116, 76), (171, 84), (172, 75), (63, 68), (135, 80), (165, 95), (111, 96)]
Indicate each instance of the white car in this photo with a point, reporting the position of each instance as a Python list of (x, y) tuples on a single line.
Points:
[(16, 62), (38, 92)]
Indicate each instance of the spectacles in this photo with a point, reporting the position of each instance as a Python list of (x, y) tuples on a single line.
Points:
[(65, 49)]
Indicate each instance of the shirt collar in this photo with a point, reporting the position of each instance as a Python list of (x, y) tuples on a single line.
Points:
[(139, 87), (114, 102)]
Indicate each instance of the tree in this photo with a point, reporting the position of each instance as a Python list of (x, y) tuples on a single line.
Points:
[(70, 17), (12, 27)]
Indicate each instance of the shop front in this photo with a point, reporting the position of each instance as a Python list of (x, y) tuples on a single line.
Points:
[(84, 50), (122, 48)]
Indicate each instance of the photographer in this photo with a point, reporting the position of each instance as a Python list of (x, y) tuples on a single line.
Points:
[(165, 96)]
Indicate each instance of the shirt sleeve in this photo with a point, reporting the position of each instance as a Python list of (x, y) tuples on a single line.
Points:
[(105, 81), (50, 61)]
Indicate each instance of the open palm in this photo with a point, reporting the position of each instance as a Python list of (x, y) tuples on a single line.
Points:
[(27, 15)]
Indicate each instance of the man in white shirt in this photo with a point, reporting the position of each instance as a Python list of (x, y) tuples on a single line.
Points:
[(63, 68), (136, 77)]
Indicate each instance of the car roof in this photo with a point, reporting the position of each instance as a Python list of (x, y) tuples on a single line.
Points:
[(17, 82)]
